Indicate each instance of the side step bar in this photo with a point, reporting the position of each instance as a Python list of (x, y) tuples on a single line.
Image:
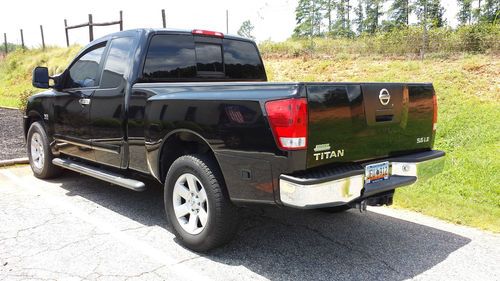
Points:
[(100, 174)]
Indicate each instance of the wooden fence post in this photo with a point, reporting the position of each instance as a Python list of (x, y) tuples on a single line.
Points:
[(91, 29), (66, 30), (121, 20), (5, 42), (163, 18), (22, 38), (43, 39)]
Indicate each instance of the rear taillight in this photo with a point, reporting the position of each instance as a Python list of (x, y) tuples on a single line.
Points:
[(435, 116), (288, 120)]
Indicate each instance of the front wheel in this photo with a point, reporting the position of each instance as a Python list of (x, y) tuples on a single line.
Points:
[(197, 204), (39, 153)]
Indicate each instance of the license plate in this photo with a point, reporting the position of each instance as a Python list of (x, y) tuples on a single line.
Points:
[(377, 172)]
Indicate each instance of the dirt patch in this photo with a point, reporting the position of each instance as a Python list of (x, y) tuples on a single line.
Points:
[(11, 134)]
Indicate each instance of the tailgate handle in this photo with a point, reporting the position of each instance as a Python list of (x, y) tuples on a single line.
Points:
[(384, 118)]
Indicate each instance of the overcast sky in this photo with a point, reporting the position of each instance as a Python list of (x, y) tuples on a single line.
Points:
[(273, 19)]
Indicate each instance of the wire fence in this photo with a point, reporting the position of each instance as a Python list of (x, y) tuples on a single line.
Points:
[(410, 42), (404, 46)]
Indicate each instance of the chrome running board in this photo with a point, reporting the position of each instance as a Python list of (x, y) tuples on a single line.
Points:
[(100, 174)]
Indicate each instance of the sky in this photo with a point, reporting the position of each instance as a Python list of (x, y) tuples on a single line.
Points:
[(273, 19)]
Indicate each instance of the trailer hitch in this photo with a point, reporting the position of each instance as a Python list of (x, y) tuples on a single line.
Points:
[(361, 206)]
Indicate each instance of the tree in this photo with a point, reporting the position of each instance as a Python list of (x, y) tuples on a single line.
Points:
[(464, 15), (329, 7), (491, 11), (400, 12), (436, 14), (430, 12), (246, 30), (308, 17), (342, 24), (477, 12), (360, 17), (373, 10)]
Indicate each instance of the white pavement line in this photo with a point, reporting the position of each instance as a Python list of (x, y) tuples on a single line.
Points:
[(182, 271)]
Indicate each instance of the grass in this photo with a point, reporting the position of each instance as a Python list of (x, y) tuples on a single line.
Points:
[(468, 88), (16, 68)]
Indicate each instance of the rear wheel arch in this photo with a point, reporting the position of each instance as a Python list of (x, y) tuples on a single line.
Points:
[(179, 143)]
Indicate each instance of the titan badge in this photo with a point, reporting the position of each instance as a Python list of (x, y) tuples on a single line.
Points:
[(324, 151)]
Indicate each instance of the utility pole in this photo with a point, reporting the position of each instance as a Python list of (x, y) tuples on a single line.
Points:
[(66, 30), (43, 39), (227, 21), (22, 39), (121, 20), (91, 29), (163, 18), (5, 42)]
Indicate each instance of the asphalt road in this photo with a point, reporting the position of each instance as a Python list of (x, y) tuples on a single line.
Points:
[(77, 228)]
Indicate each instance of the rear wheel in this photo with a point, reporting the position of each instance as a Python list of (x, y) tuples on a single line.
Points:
[(197, 205), (39, 153)]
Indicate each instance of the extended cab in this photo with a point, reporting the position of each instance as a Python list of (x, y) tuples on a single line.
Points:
[(193, 110)]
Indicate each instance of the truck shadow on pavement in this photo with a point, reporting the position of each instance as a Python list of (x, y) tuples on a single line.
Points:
[(289, 244)]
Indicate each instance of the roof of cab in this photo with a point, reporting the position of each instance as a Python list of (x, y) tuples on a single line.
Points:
[(147, 31)]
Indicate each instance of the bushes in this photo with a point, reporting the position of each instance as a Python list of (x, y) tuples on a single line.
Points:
[(479, 38)]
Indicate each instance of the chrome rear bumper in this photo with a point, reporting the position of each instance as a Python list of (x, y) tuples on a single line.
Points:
[(340, 187)]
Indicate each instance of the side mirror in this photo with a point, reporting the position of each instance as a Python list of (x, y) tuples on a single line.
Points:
[(41, 77)]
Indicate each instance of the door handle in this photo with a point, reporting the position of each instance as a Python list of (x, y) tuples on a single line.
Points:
[(84, 101)]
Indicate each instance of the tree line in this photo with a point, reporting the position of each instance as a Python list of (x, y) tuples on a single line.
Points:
[(348, 18)]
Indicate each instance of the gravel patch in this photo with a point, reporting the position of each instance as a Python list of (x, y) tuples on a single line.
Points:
[(11, 134)]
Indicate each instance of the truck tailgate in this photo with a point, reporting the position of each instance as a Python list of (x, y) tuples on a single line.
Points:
[(357, 122)]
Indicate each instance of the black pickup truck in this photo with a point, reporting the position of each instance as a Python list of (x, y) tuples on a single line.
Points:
[(193, 110)]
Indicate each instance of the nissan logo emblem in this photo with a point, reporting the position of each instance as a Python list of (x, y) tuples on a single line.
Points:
[(384, 97)]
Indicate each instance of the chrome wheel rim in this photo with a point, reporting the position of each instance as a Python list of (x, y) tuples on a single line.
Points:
[(190, 204), (37, 154)]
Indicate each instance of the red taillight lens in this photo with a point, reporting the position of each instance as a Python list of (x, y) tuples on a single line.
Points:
[(435, 117), (207, 33), (288, 120)]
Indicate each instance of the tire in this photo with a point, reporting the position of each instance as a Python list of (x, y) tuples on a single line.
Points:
[(197, 204), (336, 209), (39, 153)]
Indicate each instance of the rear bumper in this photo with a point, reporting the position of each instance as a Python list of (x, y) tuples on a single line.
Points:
[(338, 186)]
